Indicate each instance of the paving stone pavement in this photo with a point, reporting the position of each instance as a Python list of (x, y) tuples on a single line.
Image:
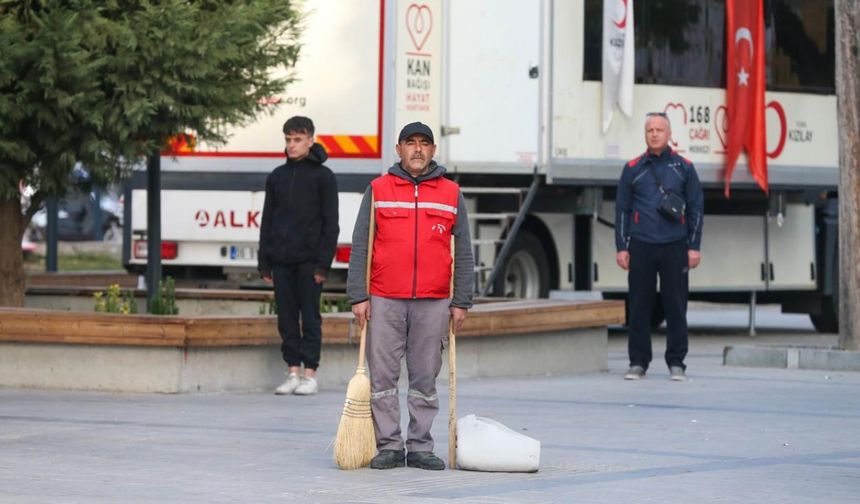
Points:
[(726, 435)]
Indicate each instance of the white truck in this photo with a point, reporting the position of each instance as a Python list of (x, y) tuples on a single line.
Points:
[(513, 90)]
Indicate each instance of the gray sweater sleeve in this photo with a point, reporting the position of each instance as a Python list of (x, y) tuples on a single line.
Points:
[(464, 262), (356, 281)]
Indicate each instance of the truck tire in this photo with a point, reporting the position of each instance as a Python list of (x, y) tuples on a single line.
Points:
[(525, 274), (657, 314), (828, 320)]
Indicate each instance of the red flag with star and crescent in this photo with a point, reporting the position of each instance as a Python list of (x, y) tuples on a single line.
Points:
[(745, 88)]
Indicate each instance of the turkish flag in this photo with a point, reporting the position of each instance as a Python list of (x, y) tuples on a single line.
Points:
[(745, 88)]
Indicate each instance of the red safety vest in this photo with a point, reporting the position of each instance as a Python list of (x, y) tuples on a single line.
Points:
[(412, 248)]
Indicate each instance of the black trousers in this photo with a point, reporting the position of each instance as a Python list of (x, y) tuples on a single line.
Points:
[(670, 262), (298, 298)]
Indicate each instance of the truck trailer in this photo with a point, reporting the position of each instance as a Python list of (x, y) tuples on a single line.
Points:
[(513, 90)]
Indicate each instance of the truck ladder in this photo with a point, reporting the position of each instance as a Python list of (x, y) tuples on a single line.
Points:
[(510, 228)]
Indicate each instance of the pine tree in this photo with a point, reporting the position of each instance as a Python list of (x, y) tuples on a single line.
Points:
[(103, 83)]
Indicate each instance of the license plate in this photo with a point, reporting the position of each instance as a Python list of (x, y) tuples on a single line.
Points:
[(242, 253)]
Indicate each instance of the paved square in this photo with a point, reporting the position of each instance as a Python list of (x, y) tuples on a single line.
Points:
[(725, 435)]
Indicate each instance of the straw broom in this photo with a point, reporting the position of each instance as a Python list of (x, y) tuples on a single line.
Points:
[(355, 442)]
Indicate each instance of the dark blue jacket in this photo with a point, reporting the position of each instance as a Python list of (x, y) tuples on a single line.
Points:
[(638, 196)]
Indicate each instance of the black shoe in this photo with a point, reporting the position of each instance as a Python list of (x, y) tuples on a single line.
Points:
[(425, 460), (387, 459)]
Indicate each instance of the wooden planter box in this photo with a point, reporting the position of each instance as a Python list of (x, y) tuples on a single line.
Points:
[(146, 353)]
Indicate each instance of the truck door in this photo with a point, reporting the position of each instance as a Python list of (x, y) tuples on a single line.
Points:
[(492, 85)]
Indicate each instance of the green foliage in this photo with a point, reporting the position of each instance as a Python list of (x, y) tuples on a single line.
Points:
[(81, 261), (334, 305), (49, 99), (107, 82), (328, 304), (164, 302), (270, 308), (113, 300)]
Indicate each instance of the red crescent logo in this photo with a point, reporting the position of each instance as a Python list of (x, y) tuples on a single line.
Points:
[(621, 24), (721, 124), (668, 110), (780, 112), (419, 23)]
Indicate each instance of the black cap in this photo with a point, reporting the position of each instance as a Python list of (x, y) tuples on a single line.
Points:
[(416, 128)]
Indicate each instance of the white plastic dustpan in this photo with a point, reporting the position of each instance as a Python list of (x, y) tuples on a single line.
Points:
[(484, 444)]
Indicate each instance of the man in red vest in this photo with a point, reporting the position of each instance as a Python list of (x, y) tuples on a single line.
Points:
[(417, 211)]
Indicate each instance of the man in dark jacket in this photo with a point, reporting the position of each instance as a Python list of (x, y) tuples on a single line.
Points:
[(651, 240), (298, 237)]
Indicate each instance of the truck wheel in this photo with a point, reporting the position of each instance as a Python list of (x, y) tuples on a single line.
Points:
[(828, 320), (657, 314), (526, 273)]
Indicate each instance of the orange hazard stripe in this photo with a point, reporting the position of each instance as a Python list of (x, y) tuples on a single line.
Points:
[(350, 145)]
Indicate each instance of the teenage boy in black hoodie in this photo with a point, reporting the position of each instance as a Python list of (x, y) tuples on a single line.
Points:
[(298, 237)]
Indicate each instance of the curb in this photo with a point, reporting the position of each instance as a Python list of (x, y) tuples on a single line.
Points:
[(792, 358)]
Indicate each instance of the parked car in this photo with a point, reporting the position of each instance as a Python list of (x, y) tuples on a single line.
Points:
[(27, 247), (77, 216)]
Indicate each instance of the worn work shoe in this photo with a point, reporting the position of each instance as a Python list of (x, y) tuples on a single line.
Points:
[(289, 386), (308, 386), (388, 459), (676, 373), (425, 460), (634, 373)]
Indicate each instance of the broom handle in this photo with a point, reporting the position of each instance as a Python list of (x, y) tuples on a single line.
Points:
[(362, 338), (370, 232), (452, 397), (452, 379)]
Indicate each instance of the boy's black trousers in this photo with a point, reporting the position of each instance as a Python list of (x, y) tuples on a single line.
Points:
[(298, 298)]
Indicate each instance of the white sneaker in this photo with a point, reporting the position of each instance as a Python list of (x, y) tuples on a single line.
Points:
[(289, 386), (635, 373), (676, 373), (308, 386)]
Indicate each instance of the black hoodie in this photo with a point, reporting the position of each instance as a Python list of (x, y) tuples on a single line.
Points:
[(300, 214)]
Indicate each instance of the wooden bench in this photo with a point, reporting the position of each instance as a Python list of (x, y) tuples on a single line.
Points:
[(485, 319), (538, 332)]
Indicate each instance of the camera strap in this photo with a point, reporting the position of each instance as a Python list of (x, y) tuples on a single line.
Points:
[(656, 179)]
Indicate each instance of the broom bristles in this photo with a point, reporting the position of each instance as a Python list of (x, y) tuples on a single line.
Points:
[(355, 443)]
